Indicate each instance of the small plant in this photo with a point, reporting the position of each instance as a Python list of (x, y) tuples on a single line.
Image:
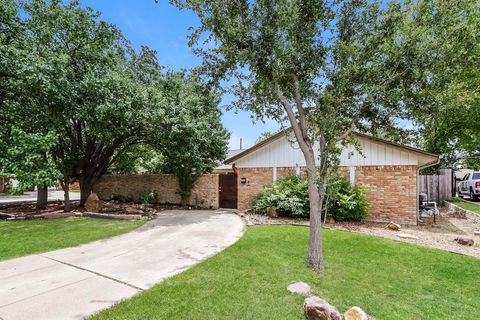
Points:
[(148, 198), (198, 202)]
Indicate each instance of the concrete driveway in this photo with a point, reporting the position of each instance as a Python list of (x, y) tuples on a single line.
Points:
[(74, 283)]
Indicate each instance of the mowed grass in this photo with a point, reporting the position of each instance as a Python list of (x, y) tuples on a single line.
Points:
[(20, 238), (388, 279), (467, 206)]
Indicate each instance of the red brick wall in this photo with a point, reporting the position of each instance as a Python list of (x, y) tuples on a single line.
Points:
[(256, 178), (391, 190)]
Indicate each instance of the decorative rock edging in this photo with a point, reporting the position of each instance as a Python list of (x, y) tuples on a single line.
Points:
[(113, 216), (56, 215), (53, 215), (315, 308), (457, 211)]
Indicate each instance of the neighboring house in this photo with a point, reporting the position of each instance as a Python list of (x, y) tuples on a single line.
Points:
[(388, 170)]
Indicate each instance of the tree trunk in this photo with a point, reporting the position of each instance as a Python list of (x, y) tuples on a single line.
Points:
[(42, 198), (66, 190), (315, 247), (86, 187)]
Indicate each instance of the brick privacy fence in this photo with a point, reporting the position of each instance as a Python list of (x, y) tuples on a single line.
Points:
[(391, 190), (204, 193)]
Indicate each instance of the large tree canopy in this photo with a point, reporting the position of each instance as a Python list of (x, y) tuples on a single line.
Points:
[(437, 49), (78, 84)]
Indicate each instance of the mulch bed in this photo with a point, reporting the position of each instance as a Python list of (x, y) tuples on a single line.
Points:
[(111, 209), (29, 211)]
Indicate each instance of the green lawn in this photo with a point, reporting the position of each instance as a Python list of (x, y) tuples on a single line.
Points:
[(467, 206), (20, 238), (390, 280)]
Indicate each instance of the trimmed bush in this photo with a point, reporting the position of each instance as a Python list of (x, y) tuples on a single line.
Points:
[(289, 196), (346, 203)]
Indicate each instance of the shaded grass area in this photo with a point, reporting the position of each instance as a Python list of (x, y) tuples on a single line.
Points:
[(467, 206), (20, 238), (390, 280)]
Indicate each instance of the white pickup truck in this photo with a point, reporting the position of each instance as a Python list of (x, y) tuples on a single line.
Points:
[(470, 186)]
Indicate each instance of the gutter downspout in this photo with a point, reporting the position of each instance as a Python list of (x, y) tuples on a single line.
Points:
[(428, 165)]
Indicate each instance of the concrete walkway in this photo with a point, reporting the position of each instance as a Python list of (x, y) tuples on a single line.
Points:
[(77, 282), (31, 196)]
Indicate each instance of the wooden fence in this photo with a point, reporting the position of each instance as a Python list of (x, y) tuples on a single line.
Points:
[(438, 187)]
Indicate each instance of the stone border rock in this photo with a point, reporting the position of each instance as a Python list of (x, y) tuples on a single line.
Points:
[(52, 215), (113, 216), (56, 215), (458, 211)]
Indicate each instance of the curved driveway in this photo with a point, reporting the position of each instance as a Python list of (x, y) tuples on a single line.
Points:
[(74, 283)]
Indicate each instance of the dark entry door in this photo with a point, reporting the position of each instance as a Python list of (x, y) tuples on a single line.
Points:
[(228, 191)]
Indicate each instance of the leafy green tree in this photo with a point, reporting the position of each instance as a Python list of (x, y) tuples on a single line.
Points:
[(316, 65), (24, 83), (29, 162), (194, 139), (75, 94), (437, 50), (138, 159), (265, 135), (100, 100)]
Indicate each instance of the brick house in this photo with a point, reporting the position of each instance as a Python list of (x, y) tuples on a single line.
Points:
[(388, 170)]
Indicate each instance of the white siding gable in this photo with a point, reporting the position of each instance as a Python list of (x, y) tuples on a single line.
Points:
[(284, 152)]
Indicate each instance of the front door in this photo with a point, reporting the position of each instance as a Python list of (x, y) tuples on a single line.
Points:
[(228, 191)]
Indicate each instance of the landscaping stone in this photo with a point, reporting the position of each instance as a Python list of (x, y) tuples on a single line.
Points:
[(355, 313), (4, 215), (300, 288), (477, 233), (272, 213), (465, 241), (113, 216), (93, 203), (315, 308), (330, 220), (407, 236), (133, 210), (393, 226)]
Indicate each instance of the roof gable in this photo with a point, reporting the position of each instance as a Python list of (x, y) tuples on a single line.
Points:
[(282, 150)]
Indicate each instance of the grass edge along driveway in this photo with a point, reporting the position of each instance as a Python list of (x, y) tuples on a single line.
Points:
[(474, 208), (388, 279), (21, 238)]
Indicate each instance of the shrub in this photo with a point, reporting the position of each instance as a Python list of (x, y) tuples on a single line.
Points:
[(346, 203), (148, 198), (289, 196)]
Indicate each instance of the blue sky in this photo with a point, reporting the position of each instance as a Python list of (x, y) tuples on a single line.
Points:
[(164, 28)]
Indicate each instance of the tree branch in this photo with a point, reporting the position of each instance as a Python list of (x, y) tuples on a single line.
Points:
[(297, 129), (301, 110)]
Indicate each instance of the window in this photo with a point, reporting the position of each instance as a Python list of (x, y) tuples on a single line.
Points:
[(476, 176)]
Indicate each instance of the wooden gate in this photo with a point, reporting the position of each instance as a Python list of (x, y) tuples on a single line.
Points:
[(438, 187), (228, 191)]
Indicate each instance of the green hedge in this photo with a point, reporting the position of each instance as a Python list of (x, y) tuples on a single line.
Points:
[(289, 196)]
